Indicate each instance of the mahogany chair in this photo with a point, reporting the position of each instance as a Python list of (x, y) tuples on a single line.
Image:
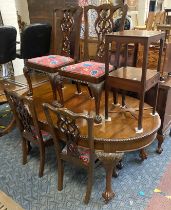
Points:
[(31, 130), (66, 128), (93, 72), (159, 19), (66, 33), (149, 23)]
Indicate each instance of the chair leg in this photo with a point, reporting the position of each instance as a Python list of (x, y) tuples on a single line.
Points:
[(60, 174), (89, 186), (29, 147), (25, 150), (123, 99), (53, 85), (78, 86), (140, 117), (89, 90), (28, 78), (97, 92), (143, 155), (42, 161), (59, 85), (115, 96), (106, 101)]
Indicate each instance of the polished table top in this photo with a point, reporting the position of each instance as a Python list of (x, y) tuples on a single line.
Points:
[(117, 134)]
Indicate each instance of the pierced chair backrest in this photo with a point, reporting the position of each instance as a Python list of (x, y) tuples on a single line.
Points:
[(25, 115), (159, 19), (35, 40), (7, 44), (150, 21), (67, 26), (102, 17), (66, 128)]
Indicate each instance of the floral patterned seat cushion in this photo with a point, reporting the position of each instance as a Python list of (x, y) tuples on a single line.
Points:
[(84, 153), (45, 135), (51, 61), (88, 68)]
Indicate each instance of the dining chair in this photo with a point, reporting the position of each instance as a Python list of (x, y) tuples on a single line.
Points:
[(7, 54), (66, 128), (7, 47), (66, 32), (92, 72), (35, 40), (31, 130)]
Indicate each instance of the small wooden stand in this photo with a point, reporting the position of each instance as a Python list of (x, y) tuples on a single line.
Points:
[(131, 78)]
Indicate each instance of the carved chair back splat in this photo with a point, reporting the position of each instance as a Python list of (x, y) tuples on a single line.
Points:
[(25, 115), (65, 128), (66, 31), (103, 24)]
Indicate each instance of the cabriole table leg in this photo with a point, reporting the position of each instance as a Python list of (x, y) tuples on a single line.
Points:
[(109, 161)]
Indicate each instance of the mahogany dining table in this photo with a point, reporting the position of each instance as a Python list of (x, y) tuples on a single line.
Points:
[(112, 138)]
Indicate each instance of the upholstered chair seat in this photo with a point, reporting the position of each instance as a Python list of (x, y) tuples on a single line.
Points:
[(84, 153), (50, 62), (88, 69), (45, 135)]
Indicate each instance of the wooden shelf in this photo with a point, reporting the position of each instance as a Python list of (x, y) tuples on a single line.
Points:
[(129, 78)]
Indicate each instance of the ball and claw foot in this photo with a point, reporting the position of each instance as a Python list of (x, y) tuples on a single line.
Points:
[(143, 155), (108, 196), (159, 150), (97, 119)]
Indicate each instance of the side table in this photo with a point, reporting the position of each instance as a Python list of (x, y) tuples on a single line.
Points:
[(133, 79)]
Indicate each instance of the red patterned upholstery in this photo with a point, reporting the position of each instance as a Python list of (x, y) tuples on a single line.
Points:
[(45, 135), (51, 61), (88, 68), (84, 153)]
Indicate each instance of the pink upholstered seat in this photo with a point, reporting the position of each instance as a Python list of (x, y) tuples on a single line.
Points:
[(52, 61), (83, 153), (45, 135), (87, 68)]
